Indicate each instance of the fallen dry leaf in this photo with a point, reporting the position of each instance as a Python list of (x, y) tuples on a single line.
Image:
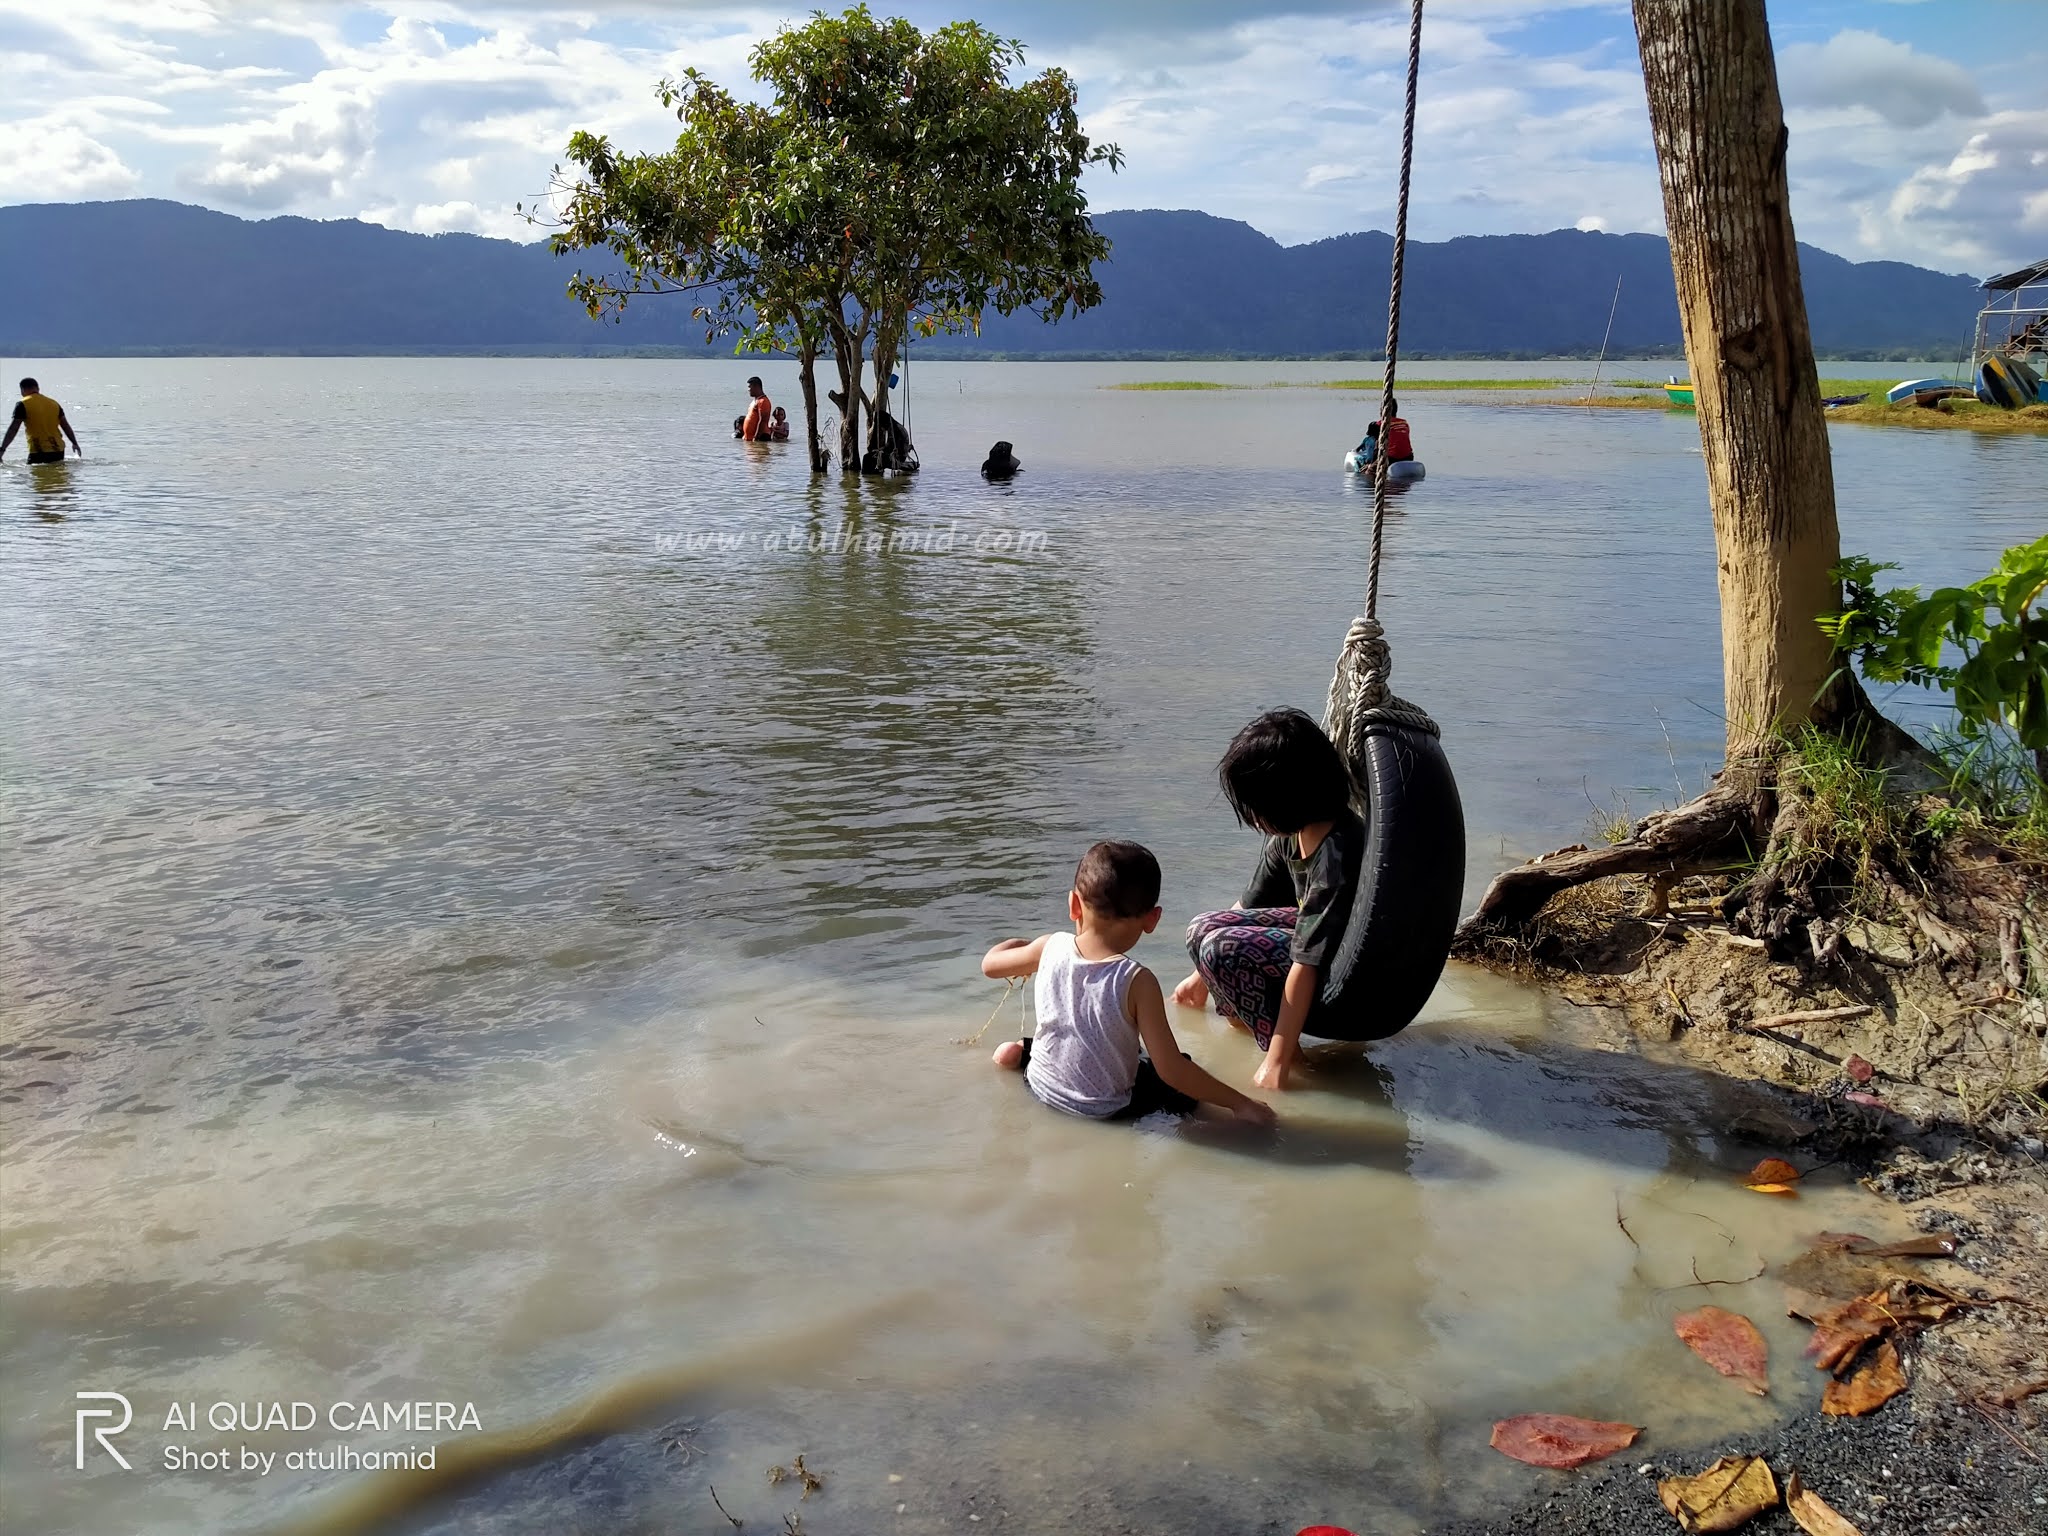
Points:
[(1875, 1382), (1861, 1070), (1559, 1440), (1815, 1516), (1730, 1493), (1867, 1100), (1840, 1332), (1729, 1342), (1773, 1176)]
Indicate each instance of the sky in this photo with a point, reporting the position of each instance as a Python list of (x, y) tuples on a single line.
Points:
[(1919, 128)]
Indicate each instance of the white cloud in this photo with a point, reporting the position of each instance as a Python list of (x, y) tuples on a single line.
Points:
[(1592, 224), (1890, 81), (68, 163), (307, 152), (1322, 175), (1986, 202)]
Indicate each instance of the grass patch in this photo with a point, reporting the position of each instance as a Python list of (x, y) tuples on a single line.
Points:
[(1966, 415), (1829, 388), (1853, 820), (1174, 384), (1994, 794), (1416, 386)]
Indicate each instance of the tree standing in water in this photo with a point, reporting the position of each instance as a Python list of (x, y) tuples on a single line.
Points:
[(899, 182), (1719, 130)]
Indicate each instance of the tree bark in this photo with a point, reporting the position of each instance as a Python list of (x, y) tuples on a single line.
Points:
[(807, 376), (846, 352), (1719, 131)]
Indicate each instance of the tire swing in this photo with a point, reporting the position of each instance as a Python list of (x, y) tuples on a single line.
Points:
[(1411, 879)]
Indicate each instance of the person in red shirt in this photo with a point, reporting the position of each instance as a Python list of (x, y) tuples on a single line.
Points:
[(754, 424), (1399, 445)]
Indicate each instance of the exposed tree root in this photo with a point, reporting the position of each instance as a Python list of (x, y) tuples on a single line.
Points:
[(1714, 832)]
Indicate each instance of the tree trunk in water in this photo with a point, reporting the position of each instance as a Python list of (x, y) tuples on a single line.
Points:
[(1719, 130), (846, 352), (807, 375)]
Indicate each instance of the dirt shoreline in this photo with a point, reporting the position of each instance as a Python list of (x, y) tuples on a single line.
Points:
[(1921, 1077)]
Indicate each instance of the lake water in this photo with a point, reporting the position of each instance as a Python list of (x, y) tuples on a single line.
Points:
[(494, 875)]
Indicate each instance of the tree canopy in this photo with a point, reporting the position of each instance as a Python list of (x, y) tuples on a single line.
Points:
[(897, 183)]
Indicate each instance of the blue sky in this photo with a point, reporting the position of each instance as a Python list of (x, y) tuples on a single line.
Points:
[(1919, 127)]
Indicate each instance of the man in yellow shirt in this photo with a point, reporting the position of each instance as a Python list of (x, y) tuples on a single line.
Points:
[(44, 418)]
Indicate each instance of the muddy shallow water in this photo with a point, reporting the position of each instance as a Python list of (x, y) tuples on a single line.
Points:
[(465, 941)]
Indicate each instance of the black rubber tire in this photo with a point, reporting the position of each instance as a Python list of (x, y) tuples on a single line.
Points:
[(1411, 884)]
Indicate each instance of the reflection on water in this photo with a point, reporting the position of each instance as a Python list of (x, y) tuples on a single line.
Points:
[(465, 940)]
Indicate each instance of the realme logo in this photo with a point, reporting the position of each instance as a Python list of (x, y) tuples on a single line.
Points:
[(100, 1433)]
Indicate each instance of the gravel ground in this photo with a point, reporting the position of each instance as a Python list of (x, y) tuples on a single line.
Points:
[(1912, 1469)]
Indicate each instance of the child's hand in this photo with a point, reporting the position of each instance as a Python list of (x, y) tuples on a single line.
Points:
[(1255, 1112), (1274, 1072), (1192, 993)]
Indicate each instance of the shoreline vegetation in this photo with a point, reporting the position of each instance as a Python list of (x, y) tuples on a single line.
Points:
[(1645, 395)]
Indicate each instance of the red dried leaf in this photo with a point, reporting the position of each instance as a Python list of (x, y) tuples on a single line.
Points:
[(1867, 1388), (1773, 1176), (1839, 1332), (1867, 1100), (1859, 1069), (1729, 1342), (1559, 1440)]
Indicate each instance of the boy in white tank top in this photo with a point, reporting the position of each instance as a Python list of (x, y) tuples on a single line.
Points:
[(1097, 1006)]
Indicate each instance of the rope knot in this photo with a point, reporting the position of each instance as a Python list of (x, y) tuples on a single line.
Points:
[(1370, 663)]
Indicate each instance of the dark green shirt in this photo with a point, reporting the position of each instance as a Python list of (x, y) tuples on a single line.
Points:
[(1322, 886)]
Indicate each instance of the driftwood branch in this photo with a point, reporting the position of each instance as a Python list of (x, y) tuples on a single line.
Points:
[(1702, 835)]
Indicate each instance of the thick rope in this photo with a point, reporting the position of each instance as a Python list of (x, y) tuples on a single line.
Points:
[(1361, 697)]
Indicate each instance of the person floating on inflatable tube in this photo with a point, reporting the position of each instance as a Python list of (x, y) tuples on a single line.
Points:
[(1399, 445), (1097, 1006), (1264, 965)]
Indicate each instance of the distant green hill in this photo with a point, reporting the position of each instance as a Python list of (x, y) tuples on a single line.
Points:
[(151, 276)]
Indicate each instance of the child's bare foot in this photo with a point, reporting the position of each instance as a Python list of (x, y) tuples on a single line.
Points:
[(1009, 1055), (1274, 1072), (1192, 993)]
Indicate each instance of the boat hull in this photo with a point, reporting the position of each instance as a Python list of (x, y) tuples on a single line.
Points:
[(1910, 391), (1400, 472)]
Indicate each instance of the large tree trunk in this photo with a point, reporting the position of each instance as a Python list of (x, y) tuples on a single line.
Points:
[(846, 352), (1720, 136), (807, 376)]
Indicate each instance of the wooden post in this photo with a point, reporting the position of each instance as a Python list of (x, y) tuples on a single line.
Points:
[(1720, 136)]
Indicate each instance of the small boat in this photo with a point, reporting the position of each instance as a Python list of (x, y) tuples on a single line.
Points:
[(2007, 383), (1835, 400), (1677, 393), (1400, 472), (1924, 391)]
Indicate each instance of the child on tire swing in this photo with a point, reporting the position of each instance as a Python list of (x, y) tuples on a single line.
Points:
[(1264, 960), (1097, 1006)]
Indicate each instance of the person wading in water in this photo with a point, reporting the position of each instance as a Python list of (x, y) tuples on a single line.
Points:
[(46, 423)]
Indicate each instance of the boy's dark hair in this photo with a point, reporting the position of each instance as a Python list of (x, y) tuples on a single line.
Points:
[(31, 387), (1281, 773), (1118, 879)]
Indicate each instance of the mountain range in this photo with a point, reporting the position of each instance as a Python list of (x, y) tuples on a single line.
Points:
[(148, 276)]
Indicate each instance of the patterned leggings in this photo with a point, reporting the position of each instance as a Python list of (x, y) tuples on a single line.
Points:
[(1245, 956)]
